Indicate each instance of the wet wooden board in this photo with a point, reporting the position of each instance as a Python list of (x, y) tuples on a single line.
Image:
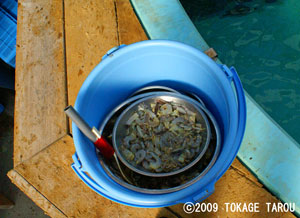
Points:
[(129, 28), (67, 192), (235, 187), (34, 194), (40, 78), (91, 30)]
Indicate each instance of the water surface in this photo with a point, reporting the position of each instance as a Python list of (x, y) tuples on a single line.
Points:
[(261, 38)]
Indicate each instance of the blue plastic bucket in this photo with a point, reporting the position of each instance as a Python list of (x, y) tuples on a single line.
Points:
[(125, 69)]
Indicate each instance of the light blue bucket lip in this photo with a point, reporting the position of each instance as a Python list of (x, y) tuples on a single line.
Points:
[(192, 193)]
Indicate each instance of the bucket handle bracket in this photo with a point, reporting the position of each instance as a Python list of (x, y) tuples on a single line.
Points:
[(77, 162), (227, 71)]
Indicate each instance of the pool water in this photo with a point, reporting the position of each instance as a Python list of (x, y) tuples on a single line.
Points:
[(261, 38)]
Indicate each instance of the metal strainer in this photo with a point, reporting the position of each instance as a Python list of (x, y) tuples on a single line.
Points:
[(120, 129)]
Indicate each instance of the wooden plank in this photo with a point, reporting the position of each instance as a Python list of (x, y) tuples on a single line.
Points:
[(50, 173), (40, 77), (34, 194), (72, 197), (242, 170), (91, 30), (129, 28), (5, 203), (237, 187)]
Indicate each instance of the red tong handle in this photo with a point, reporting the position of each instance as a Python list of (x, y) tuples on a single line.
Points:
[(105, 148)]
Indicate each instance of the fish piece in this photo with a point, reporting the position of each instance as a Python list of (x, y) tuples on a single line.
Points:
[(129, 156), (157, 151), (127, 139), (181, 158), (145, 164), (150, 113), (176, 130), (175, 112), (148, 157), (177, 120), (181, 110), (153, 105), (159, 170), (140, 156), (154, 164), (166, 124), (189, 112), (140, 132), (149, 145), (192, 118), (142, 145), (155, 140), (135, 147), (131, 119), (142, 107), (165, 109), (197, 142), (185, 127), (177, 150), (159, 129)]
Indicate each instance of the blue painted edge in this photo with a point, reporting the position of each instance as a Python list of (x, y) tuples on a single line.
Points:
[(267, 150)]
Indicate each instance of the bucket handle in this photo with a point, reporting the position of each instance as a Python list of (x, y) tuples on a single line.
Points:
[(76, 166), (232, 77), (240, 96), (241, 100)]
